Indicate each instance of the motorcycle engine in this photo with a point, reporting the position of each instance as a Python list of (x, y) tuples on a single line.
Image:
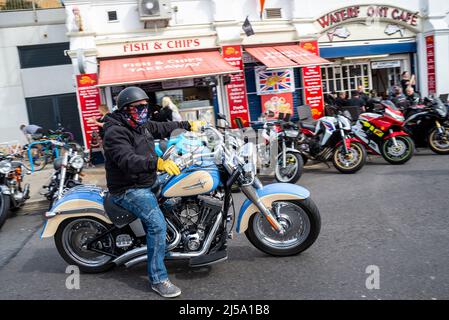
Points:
[(195, 216)]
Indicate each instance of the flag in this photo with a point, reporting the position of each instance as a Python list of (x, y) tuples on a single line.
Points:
[(247, 27), (262, 6)]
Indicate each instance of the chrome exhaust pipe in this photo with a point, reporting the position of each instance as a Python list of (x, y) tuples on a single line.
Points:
[(127, 256), (180, 255)]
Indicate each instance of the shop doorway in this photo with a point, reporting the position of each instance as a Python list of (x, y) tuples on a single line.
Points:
[(50, 111), (385, 77), (195, 98)]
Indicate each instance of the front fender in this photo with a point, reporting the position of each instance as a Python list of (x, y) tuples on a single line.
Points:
[(269, 194), (396, 134), (348, 142)]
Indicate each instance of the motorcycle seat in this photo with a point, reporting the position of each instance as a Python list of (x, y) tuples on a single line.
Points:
[(119, 216)]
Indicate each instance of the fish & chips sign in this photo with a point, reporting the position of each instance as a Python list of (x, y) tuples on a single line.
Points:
[(369, 14)]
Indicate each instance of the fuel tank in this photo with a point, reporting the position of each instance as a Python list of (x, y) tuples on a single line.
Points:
[(192, 181)]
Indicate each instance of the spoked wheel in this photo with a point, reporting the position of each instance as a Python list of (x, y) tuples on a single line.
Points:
[(301, 220), (293, 169), (438, 142), (72, 237), (41, 159), (352, 161), (399, 153), (4, 208)]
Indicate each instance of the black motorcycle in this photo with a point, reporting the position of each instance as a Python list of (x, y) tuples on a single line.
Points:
[(13, 193), (428, 124), (67, 173)]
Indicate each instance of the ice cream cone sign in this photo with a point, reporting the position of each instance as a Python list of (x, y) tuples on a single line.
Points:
[(262, 6), (230, 51)]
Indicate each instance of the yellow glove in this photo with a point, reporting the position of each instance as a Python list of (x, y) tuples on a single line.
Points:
[(196, 125), (168, 166)]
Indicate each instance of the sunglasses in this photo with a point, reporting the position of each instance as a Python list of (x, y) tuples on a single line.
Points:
[(138, 108)]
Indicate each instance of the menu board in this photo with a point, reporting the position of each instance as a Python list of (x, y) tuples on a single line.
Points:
[(236, 90), (313, 88), (89, 100), (431, 72)]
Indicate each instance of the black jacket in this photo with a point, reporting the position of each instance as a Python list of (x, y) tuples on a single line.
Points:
[(130, 158)]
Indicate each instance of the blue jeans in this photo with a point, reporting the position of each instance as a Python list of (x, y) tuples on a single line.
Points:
[(143, 204)]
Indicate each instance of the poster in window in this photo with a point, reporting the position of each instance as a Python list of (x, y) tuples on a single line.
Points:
[(273, 104)]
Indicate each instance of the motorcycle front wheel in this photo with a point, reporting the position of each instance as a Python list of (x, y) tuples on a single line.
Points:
[(439, 143), (301, 220), (4, 208), (293, 169), (399, 154), (71, 238), (352, 161)]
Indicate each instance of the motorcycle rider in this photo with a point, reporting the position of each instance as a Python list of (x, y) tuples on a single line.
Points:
[(131, 165), (412, 96), (399, 98)]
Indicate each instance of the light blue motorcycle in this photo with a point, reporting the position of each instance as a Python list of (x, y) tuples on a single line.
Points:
[(280, 219)]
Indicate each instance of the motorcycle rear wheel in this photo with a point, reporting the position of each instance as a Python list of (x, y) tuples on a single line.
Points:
[(434, 142), (69, 240), (404, 142), (302, 221), (4, 208), (345, 163)]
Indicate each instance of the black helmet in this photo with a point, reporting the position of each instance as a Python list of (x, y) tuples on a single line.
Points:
[(130, 95)]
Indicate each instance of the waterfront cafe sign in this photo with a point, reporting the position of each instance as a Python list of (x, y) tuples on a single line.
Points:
[(370, 14)]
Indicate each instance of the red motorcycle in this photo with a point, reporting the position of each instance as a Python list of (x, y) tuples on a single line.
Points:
[(382, 133)]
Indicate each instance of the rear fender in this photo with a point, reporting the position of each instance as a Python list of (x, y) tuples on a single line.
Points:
[(72, 209), (269, 194)]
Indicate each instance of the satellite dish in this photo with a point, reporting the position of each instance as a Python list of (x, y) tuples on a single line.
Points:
[(81, 61)]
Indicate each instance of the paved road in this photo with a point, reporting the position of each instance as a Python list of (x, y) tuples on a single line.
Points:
[(394, 217)]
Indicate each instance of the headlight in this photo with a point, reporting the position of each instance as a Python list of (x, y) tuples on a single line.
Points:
[(345, 123), (5, 166), (442, 110), (77, 162), (248, 153), (394, 116)]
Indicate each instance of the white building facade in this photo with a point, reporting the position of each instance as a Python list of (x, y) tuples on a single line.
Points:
[(36, 79), (368, 43)]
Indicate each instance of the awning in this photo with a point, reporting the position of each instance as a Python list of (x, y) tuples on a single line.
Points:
[(279, 57), (163, 67), (271, 57)]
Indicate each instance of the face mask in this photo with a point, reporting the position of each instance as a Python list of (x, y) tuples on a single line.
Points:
[(138, 114)]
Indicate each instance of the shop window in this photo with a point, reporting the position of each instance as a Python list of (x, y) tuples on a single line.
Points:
[(112, 16), (44, 55), (346, 77)]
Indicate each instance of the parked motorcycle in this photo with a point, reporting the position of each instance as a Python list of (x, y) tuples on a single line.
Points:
[(13, 193), (67, 173), (428, 125), (382, 133), (330, 139), (279, 219), (278, 148)]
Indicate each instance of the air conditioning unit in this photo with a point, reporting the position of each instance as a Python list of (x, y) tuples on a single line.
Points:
[(155, 10)]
